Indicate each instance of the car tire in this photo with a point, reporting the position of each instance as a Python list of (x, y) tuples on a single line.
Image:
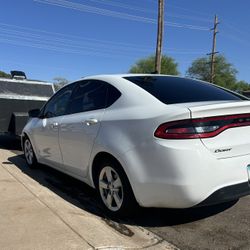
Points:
[(114, 189), (29, 153)]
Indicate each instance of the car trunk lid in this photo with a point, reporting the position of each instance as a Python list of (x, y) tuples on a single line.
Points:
[(234, 139)]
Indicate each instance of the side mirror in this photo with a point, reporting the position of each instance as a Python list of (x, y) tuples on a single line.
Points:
[(34, 113)]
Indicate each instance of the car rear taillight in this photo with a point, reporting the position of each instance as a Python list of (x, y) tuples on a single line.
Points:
[(201, 127)]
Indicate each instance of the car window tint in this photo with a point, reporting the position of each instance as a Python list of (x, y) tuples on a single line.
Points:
[(58, 103), (172, 90), (88, 95), (113, 95)]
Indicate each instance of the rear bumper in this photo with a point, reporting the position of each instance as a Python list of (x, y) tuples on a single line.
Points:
[(227, 194), (183, 174)]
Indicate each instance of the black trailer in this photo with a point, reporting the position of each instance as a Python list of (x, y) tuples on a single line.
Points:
[(17, 96)]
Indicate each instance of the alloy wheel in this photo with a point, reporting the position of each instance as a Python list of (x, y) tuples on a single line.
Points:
[(111, 188), (28, 151)]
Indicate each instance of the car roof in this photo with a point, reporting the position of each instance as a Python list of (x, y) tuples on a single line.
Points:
[(126, 75), (129, 89), (123, 76)]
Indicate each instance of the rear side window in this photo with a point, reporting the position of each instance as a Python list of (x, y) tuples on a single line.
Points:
[(113, 95), (171, 90)]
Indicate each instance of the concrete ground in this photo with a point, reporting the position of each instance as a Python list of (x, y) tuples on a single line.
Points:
[(37, 213), (67, 215)]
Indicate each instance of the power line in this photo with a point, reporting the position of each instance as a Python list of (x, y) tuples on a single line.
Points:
[(237, 39), (43, 34), (187, 10), (192, 11), (36, 65), (233, 36), (235, 29), (123, 6), (45, 40), (72, 36), (188, 17), (65, 42), (135, 8), (28, 41), (55, 48), (95, 10), (115, 14), (79, 43)]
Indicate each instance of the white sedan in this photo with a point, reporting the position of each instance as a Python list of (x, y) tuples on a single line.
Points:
[(152, 140)]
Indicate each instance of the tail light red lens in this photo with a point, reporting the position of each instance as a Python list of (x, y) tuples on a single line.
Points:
[(202, 127)]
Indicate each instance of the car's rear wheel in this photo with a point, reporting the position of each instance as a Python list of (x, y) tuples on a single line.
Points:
[(114, 189), (29, 153)]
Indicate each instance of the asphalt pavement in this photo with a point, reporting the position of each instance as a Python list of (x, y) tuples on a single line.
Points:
[(225, 226)]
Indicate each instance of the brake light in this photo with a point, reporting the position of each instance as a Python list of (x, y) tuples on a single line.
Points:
[(201, 127)]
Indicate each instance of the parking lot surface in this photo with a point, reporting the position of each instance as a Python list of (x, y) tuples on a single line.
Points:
[(225, 226)]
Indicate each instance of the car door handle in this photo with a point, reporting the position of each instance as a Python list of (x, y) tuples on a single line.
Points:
[(54, 125), (91, 121)]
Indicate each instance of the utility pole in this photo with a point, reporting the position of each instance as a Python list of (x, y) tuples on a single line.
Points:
[(160, 31), (214, 52)]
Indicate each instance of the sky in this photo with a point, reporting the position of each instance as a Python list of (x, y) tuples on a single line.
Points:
[(77, 38)]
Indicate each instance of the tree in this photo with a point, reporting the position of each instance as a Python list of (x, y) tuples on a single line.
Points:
[(200, 69), (225, 73), (241, 86), (147, 66), (4, 75), (59, 82)]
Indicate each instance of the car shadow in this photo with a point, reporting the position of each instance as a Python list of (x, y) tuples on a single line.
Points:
[(85, 197), (161, 217)]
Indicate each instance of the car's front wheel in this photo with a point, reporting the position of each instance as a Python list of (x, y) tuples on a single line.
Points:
[(114, 189), (29, 153)]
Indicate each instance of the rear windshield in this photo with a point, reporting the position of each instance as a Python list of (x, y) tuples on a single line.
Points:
[(172, 90), (27, 89)]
